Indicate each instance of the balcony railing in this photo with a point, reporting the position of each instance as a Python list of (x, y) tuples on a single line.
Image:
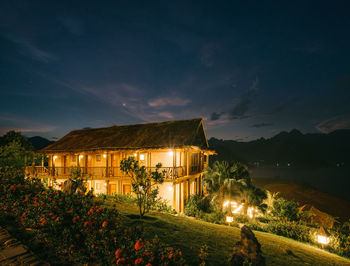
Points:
[(40, 171)]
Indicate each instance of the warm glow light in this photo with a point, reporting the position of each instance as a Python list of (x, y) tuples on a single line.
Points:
[(105, 184), (322, 239), (170, 188), (104, 155), (226, 203), (135, 154), (171, 153), (238, 209), (81, 156), (229, 219), (55, 157), (142, 157)]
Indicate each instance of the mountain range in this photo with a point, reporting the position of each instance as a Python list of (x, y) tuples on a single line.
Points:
[(288, 149)]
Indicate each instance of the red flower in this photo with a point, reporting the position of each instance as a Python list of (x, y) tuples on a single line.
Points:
[(104, 224), (92, 246), (121, 260), (180, 253), (138, 244), (51, 214), (171, 255), (13, 187), (57, 219), (74, 220), (154, 240), (86, 224), (118, 253), (148, 264), (138, 261)]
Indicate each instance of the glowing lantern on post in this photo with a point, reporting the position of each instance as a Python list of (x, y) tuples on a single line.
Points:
[(322, 236), (229, 219)]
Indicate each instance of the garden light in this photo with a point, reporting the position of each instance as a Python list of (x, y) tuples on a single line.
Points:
[(229, 219), (322, 236)]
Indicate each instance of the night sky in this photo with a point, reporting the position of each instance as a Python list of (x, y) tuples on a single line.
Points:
[(250, 69)]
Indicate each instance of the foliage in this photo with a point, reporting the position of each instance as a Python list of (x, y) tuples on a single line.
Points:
[(121, 198), (203, 255), (285, 209), (76, 227), (12, 155), (196, 204), (162, 205), (13, 136), (144, 183), (224, 179)]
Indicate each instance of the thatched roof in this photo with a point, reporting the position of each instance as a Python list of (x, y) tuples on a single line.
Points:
[(318, 217), (170, 134)]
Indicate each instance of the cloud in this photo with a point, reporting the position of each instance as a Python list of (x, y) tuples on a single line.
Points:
[(334, 123), (239, 111), (262, 125), (11, 122), (284, 105), (29, 49), (215, 116), (73, 25), (168, 101)]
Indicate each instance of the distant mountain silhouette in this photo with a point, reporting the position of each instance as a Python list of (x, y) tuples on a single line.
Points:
[(39, 142), (292, 147)]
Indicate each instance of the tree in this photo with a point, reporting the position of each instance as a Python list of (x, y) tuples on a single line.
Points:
[(233, 179), (12, 155), (215, 180), (144, 182)]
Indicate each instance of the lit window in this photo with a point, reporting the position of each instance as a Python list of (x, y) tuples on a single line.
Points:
[(98, 158), (98, 186), (142, 157), (74, 158)]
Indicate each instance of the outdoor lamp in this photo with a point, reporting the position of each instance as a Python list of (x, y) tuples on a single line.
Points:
[(229, 219), (322, 236)]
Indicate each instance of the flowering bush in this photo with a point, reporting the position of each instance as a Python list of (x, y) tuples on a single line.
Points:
[(75, 225)]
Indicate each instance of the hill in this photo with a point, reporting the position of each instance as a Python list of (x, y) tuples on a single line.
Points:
[(39, 142), (294, 148), (190, 235)]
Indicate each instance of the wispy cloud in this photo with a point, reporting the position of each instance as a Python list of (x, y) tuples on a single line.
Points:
[(11, 122), (262, 125), (28, 48), (284, 105), (169, 101), (334, 123)]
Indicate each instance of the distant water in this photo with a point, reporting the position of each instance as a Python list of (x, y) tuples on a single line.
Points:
[(332, 180)]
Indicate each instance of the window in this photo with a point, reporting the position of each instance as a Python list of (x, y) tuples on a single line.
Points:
[(98, 186), (98, 158), (74, 158), (142, 157)]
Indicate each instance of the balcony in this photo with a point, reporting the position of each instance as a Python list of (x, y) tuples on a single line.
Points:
[(171, 173)]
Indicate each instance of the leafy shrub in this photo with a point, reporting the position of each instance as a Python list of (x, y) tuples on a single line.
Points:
[(289, 229), (196, 204), (162, 205), (127, 198), (216, 217), (285, 209)]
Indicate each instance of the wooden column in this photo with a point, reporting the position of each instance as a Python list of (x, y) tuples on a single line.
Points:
[(174, 196), (187, 163), (107, 172)]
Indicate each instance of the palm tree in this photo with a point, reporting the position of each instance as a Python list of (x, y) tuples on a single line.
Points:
[(215, 180)]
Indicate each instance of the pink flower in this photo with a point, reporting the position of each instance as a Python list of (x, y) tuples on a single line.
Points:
[(118, 253)]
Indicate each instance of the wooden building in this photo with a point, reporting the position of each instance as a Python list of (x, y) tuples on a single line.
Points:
[(180, 146)]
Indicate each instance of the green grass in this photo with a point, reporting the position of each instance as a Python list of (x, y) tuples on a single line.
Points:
[(190, 234)]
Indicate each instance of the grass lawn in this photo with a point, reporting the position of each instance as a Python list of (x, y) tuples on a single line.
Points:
[(190, 234)]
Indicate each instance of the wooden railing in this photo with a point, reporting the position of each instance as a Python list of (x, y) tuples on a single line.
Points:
[(39, 171)]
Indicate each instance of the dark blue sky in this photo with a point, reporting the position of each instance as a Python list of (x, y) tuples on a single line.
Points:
[(248, 68)]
